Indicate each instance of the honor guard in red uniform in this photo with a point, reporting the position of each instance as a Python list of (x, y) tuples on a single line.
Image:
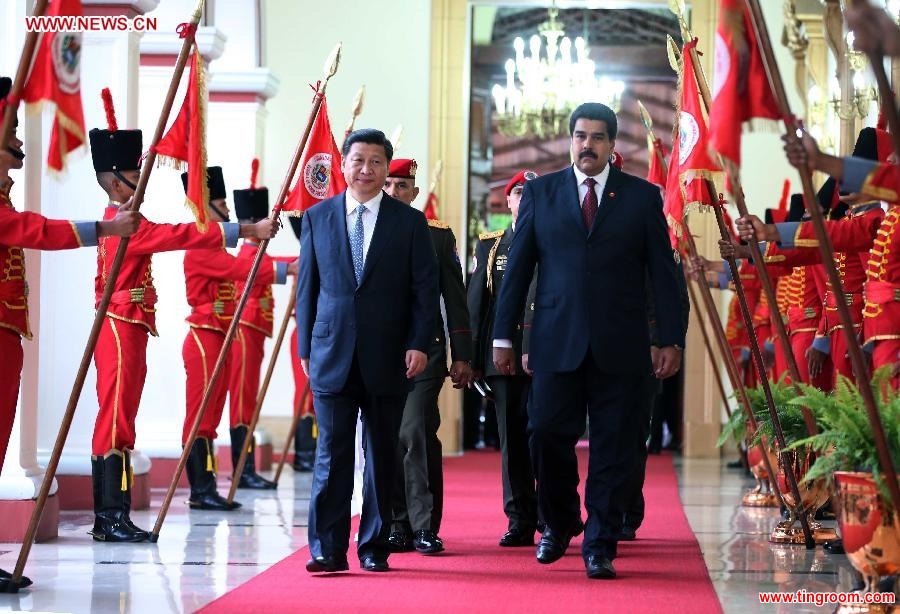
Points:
[(248, 349), (210, 276), (418, 497), (866, 231), (121, 352), (27, 230), (510, 391), (306, 435)]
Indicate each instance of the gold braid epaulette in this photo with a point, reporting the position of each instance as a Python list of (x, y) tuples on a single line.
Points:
[(438, 224), (484, 236)]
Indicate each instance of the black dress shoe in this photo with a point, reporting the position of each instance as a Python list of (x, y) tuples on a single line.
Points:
[(211, 501), (427, 541), (627, 534), (552, 547), (835, 546), (326, 564), (400, 541), (372, 563), (254, 481), (518, 536), (6, 582), (599, 568)]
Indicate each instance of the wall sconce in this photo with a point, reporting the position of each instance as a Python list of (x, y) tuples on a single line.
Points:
[(862, 95)]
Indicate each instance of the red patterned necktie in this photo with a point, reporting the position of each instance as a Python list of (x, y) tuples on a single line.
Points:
[(589, 205)]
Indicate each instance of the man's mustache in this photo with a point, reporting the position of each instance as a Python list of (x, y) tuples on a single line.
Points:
[(18, 154), (587, 153)]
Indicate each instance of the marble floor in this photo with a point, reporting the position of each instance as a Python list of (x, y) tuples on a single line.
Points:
[(201, 555)]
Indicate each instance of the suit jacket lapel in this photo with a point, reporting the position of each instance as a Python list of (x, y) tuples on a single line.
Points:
[(387, 217), (338, 221), (570, 190), (610, 196)]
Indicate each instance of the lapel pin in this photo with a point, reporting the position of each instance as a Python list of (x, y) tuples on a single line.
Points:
[(612, 194)]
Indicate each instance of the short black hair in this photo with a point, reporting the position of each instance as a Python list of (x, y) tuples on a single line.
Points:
[(369, 136), (597, 112)]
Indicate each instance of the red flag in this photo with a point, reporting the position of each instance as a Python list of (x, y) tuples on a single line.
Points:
[(431, 207), (320, 169), (690, 168), (185, 142), (741, 90), (656, 173), (56, 77)]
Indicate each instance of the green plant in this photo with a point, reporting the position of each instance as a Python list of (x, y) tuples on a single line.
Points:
[(845, 439), (737, 427)]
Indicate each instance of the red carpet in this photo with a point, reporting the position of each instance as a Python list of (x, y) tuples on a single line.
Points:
[(662, 571)]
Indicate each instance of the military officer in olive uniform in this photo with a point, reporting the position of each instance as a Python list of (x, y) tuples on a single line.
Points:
[(510, 391), (418, 498)]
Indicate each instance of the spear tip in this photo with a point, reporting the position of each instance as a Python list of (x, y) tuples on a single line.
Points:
[(674, 53), (334, 59), (645, 116), (358, 101)]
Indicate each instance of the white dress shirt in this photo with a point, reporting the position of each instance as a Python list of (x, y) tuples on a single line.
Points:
[(370, 216), (599, 187)]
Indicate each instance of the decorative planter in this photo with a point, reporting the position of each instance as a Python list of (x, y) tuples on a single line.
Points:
[(870, 528), (761, 495), (812, 494)]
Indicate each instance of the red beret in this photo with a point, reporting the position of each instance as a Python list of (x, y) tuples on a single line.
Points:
[(520, 178), (403, 167)]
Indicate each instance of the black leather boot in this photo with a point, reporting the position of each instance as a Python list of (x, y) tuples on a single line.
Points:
[(202, 477), (249, 477), (305, 445), (127, 493), (112, 498)]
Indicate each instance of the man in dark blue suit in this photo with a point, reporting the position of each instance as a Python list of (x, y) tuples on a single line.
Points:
[(595, 233), (367, 287)]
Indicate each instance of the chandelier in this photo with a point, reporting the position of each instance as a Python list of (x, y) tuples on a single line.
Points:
[(542, 89)]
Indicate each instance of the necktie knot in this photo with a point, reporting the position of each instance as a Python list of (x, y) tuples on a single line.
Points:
[(590, 182), (361, 209)]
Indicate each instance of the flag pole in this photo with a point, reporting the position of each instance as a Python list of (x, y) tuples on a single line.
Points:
[(691, 249), (25, 60), (100, 316), (755, 352), (331, 67), (287, 444), (826, 250), (734, 375), (238, 469)]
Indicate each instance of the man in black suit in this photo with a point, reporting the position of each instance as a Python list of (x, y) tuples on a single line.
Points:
[(510, 391), (367, 287), (418, 501), (594, 232)]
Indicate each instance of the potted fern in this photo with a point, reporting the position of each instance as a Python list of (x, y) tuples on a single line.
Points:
[(737, 427), (870, 526), (812, 494)]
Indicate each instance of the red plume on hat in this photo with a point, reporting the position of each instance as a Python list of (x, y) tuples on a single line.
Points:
[(254, 172), (780, 214), (110, 109)]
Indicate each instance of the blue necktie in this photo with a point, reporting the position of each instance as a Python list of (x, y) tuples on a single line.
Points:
[(356, 243)]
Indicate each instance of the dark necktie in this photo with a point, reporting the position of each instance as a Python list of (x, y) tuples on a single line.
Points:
[(589, 205)]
